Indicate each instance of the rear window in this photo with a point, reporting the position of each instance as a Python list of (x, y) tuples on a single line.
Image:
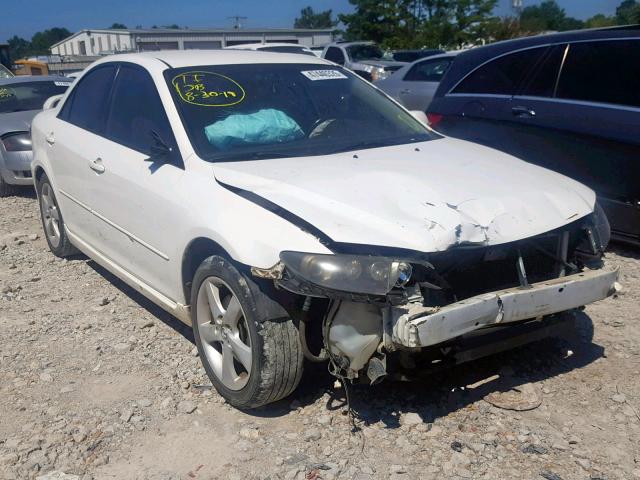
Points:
[(602, 72), (502, 75), (23, 96)]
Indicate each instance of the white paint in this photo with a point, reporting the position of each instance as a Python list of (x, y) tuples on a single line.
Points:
[(139, 223)]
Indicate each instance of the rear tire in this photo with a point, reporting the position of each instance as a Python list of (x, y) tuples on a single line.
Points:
[(52, 221), (232, 316)]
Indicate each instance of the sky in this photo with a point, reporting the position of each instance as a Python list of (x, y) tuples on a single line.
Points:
[(17, 19)]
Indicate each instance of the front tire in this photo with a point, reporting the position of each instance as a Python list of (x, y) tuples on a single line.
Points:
[(8, 190), (248, 345), (52, 221)]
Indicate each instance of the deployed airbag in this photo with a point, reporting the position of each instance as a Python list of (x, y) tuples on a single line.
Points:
[(264, 127)]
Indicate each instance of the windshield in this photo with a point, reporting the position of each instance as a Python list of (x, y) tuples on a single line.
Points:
[(244, 112), (364, 52), (4, 73), (21, 96)]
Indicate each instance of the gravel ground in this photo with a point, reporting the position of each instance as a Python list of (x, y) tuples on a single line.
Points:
[(97, 383)]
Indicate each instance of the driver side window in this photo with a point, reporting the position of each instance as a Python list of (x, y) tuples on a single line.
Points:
[(430, 71), (335, 55), (137, 111)]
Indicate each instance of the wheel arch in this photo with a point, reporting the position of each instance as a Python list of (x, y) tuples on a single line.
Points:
[(194, 254)]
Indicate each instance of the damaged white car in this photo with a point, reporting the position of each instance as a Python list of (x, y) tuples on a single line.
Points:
[(287, 209)]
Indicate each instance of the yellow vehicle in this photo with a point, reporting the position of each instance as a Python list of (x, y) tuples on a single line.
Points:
[(31, 67)]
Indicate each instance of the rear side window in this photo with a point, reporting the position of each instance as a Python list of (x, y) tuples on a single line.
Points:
[(603, 72), (543, 78), (137, 111), (428, 71), (502, 75), (335, 55), (87, 105)]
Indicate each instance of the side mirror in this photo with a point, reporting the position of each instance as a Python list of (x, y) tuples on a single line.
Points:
[(52, 102), (160, 151), (420, 116)]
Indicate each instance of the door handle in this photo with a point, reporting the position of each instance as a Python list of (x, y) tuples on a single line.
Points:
[(405, 91), (50, 139), (523, 112), (96, 165)]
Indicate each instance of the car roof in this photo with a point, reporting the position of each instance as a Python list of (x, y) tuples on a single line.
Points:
[(265, 45), (189, 58), (33, 78), (470, 59), (349, 44)]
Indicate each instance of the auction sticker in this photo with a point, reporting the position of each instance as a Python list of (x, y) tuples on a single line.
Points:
[(208, 89), (323, 74)]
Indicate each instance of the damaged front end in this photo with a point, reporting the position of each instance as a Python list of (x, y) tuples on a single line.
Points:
[(367, 306)]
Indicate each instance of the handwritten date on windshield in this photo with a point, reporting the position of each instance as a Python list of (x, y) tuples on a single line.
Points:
[(208, 89)]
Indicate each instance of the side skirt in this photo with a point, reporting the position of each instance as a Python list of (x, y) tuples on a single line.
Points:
[(178, 310)]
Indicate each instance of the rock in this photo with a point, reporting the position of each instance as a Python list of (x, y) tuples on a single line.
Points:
[(250, 433), (46, 377), (103, 301), (33, 237), (584, 463), (145, 323), (549, 475), (122, 347), (126, 415), (397, 469), (312, 435), (56, 475), (324, 420), (144, 403), (186, 407), (619, 398), (535, 449), (456, 446), (521, 398), (410, 418)]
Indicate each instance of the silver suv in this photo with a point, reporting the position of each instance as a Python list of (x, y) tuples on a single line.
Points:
[(364, 58)]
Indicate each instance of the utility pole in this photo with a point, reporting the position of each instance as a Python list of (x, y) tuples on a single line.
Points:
[(237, 21)]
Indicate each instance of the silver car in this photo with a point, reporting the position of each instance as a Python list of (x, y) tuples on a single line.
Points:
[(415, 84), (21, 98)]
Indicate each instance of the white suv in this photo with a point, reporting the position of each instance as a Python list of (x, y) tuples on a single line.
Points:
[(287, 209)]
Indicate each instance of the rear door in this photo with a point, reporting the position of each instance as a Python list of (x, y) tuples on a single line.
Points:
[(479, 107), (74, 144), (587, 125), (420, 83)]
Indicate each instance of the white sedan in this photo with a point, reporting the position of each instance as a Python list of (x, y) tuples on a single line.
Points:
[(286, 209)]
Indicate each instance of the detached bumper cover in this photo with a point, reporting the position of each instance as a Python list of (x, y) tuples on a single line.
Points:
[(417, 326)]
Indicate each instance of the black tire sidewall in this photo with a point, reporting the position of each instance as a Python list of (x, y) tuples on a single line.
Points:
[(223, 269)]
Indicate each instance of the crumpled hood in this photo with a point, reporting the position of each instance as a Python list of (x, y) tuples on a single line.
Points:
[(16, 121), (426, 197)]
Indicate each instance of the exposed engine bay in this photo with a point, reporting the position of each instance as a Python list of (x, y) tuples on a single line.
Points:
[(365, 307)]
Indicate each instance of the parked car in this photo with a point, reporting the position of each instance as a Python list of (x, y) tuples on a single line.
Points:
[(410, 56), (415, 84), (280, 204), (21, 98), (364, 58), (317, 50), (274, 47), (5, 72), (568, 101)]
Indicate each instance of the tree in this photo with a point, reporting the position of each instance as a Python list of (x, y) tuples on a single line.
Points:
[(310, 19), (547, 16), (19, 47), (41, 42), (118, 26), (628, 12), (600, 20)]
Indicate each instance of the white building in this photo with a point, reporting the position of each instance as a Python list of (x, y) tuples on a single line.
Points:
[(103, 42)]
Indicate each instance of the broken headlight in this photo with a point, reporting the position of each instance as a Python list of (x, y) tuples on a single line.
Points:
[(349, 273)]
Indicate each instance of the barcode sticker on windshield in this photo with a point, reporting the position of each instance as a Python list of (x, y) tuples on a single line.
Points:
[(62, 84), (323, 74)]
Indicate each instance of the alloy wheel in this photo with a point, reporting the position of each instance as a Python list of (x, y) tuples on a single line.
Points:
[(50, 215)]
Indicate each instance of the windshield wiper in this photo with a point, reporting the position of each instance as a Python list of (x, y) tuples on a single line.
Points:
[(252, 156)]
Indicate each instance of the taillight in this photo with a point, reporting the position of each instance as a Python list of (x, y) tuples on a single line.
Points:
[(17, 142), (434, 119)]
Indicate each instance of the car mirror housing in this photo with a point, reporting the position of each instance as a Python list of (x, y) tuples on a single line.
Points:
[(161, 152)]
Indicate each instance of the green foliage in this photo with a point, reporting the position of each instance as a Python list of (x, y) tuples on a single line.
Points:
[(628, 12), (19, 47), (41, 42), (600, 21), (548, 16), (310, 19), (117, 26), (419, 23)]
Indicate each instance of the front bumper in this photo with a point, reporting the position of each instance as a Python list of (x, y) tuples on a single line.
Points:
[(418, 326), (15, 167)]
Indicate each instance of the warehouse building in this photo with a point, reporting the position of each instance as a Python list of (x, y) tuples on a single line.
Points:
[(104, 42)]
